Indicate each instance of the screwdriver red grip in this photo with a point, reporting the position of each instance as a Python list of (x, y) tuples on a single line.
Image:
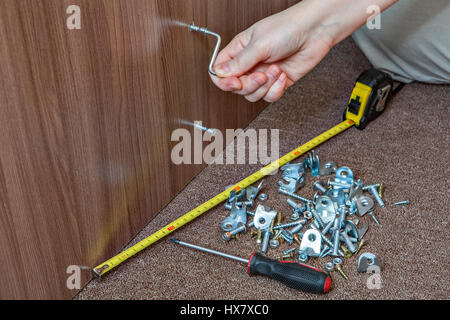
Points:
[(293, 275)]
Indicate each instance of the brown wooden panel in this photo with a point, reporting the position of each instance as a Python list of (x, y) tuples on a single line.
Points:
[(86, 117)]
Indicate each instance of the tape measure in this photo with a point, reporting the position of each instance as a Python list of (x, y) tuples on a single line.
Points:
[(368, 101)]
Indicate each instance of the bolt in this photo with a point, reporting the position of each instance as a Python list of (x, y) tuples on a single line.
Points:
[(338, 268), (339, 185), (318, 185), (293, 195), (265, 242), (374, 192), (228, 235), (373, 217), (296, 229), (360, 245), (286, 252), (400, 203), (336, 238)]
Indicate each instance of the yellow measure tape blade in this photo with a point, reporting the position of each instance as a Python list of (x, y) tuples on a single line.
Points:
[(191, 215)]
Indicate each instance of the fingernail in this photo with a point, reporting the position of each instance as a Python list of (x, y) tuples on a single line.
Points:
[(223, 70), (274, 72), (282, 78), (262, 80), (235, 86)]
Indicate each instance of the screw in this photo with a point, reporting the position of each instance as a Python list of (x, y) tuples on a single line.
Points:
[(288, 225), (279, 217), (286, 256), (374, 192), (228, 235), (254, 233), (348, 242), (366, 188), (259, 236), (338, 268), (293, 195), (381, 190), (373, 217), (287, 236), (277, 235), (400, 203), (286, 252), (347, 253), (325, 248), (297, 240), (360, 245)]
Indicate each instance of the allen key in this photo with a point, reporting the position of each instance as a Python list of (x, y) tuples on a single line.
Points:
[(193, 27)]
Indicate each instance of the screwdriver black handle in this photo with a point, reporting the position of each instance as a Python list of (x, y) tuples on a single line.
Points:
[(292, 274)]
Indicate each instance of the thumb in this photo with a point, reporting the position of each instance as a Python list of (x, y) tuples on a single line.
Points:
[(241, 63)]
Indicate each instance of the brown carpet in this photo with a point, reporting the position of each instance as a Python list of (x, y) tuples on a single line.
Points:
[(407, 149)]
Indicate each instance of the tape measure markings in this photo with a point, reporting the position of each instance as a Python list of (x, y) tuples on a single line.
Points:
[(191, 215)]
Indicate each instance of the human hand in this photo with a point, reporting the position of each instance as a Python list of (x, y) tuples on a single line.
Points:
[(264, 60)]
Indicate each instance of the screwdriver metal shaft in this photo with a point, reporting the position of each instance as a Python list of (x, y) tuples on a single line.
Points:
[(225, 255)]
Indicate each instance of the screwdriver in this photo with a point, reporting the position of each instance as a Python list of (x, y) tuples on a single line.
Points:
[(294, 275)]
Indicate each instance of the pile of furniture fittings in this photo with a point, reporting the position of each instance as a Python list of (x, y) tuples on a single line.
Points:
[(329, 225)]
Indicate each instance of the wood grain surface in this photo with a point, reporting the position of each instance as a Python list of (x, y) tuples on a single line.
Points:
[(86, 117)]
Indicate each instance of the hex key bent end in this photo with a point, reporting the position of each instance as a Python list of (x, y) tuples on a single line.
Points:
[(193, 27)]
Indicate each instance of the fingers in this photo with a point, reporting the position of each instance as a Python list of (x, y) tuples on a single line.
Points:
[(242, 62), (273, 73), (252, 82), (227, 84), (277, 89)]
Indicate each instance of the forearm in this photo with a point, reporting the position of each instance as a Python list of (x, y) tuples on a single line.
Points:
[(336, 19)]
